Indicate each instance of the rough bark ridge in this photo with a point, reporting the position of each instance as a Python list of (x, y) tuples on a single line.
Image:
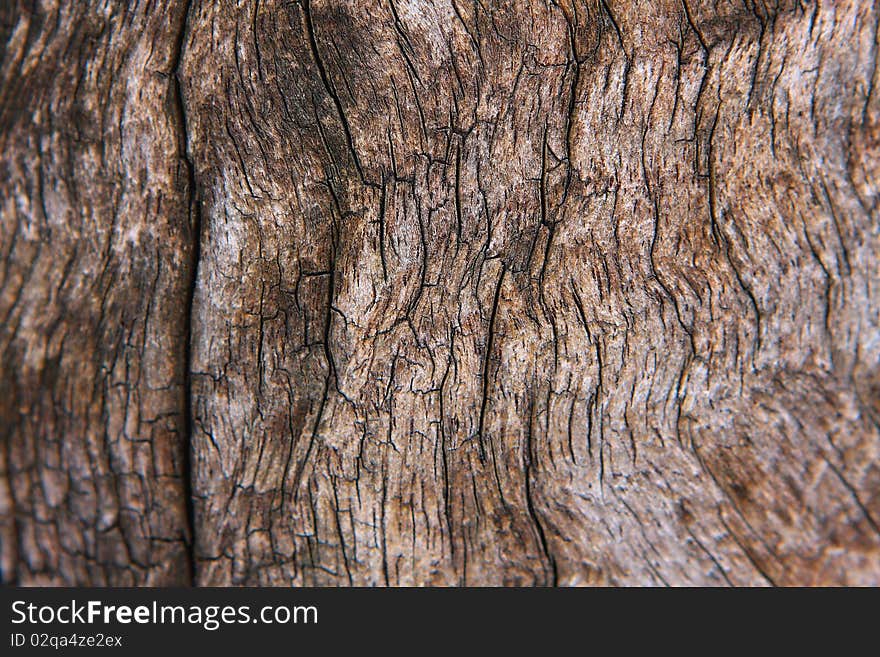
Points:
[(487, 293), (95, 264)]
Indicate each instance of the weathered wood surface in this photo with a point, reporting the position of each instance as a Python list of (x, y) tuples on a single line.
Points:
[(95, 270), (440, 293)]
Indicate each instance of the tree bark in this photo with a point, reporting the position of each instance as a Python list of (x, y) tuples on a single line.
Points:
[(96, 253), (453, 293)]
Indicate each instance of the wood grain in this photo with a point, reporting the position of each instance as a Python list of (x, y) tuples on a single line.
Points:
[(96, 252), (447, 293)]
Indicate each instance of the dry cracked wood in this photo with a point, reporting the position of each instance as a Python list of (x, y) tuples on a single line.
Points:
[(95, 269), (486, 293)]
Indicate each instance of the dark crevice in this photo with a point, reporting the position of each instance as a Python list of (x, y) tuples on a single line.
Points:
[(490, 337), (331, 89), (195, 226), (528, 456)]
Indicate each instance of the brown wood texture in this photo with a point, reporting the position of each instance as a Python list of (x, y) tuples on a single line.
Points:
[(440, 293), (95, 271)]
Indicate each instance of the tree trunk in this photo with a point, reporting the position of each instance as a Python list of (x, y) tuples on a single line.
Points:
[(411, 293)]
